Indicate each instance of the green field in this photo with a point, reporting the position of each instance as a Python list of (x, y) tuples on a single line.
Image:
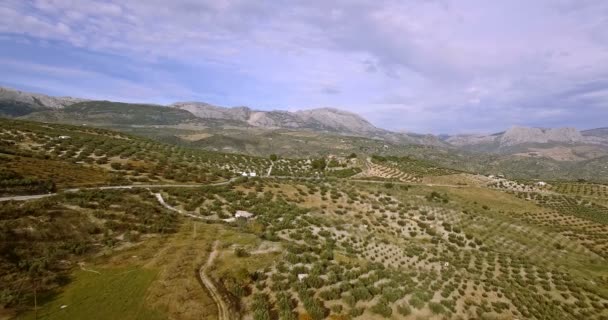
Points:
[(112, 294)]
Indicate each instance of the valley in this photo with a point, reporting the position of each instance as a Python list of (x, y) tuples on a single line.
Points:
[(129, 227)]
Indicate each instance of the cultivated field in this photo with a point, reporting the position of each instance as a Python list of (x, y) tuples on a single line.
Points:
[(349, 237)]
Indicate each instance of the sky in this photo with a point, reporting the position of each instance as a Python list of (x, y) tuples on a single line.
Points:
[(420, 66)]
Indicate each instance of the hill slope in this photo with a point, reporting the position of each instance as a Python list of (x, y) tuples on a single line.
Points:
[(115, 113), (18, 103)]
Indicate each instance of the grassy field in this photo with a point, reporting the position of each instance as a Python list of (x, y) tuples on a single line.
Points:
[(113, 293), (156, 279)]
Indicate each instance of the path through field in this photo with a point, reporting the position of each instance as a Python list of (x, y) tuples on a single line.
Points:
[(222, 309)]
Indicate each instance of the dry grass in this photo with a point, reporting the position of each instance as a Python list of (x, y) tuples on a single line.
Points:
[(64, 174)]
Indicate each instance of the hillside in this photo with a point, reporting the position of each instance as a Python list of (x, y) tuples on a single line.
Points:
[(46, 157), (358, 237), (14, 103), (114, 113)]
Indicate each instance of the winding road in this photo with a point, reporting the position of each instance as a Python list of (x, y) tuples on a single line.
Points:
[(146, 186), (151, 186)]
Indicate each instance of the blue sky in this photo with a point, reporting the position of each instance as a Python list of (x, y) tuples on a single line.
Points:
[(423, 66)]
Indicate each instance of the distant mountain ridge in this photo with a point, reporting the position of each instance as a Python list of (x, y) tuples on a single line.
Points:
[(325, 119), (40, 100), (16, 103), (518, 135)]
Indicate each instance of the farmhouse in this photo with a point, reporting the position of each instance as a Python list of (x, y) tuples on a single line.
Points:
[(243, 214)]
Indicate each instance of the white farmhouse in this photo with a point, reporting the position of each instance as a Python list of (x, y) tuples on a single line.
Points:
[(243, 214)]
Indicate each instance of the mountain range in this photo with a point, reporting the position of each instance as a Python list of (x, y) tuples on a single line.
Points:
[(323, 119), (518, 135), (557, 143)]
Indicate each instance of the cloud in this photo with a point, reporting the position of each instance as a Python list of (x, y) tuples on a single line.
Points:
[(441, 66)]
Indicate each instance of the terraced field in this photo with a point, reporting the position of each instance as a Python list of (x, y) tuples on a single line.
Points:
[(579, 189), (390, 173)]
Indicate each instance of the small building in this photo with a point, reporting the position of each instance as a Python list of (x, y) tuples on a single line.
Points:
[(243, 214), (64, 137), (541, 183), (302, 276), (244, 174), (252, 174)]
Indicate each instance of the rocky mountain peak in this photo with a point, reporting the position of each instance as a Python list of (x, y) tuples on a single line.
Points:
[(209, 111), (327, 119), (336, 118), (35, 99), (519, 135)]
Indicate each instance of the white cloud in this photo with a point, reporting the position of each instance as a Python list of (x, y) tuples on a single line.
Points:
[(446, 58)]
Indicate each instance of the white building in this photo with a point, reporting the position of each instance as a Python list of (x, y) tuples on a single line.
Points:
[(302, 276), (243, 214), (252, 174)]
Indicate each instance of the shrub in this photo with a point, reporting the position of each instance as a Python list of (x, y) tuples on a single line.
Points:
[(436, 308), (404, 309), (241, 252), (382, 308)]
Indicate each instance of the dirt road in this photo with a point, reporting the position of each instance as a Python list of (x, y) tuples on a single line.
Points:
[(222, 308), (146, 186)]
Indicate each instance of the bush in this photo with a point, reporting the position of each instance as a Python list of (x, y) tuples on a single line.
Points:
[(241, 252), (404, 309), (382, 308), (261, 307), (436, 308)]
